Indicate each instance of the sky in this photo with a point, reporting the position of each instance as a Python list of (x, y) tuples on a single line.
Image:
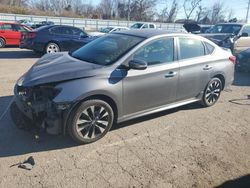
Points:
[(239, 7)]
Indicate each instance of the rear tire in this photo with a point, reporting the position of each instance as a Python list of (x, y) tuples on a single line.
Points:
[(52, 48), (90, 121), (2, 43), (212, 92)]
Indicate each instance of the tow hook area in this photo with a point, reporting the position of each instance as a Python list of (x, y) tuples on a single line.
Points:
[(24, 123), (51, 122)]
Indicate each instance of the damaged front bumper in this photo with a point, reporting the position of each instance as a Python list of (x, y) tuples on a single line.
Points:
[(33, 107)]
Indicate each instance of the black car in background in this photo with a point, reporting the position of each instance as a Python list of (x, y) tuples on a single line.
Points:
[(224, 34), (55, 38), (43, 23), (195, 28), (243, 61)]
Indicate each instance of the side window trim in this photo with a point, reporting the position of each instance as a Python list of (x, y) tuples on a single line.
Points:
[(206, 48)]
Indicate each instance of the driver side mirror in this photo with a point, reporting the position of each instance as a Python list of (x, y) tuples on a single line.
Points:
[(138, 64)]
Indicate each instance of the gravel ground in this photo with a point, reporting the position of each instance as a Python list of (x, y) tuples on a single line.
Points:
[(189, 146)]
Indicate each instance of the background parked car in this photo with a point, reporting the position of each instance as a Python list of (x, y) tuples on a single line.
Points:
[(195, 28), (106, 30), (243, 39), (10, 33), (26, 22), (55, 38), (243, 61), (43, 23), (140, 25), (224, 34)]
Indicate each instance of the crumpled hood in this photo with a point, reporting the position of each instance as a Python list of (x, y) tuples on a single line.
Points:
[(57, 67), (217, 38)]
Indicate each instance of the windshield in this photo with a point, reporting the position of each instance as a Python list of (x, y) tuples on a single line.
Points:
[(106, 30), (106, 50), (136, 25), (225, 28)]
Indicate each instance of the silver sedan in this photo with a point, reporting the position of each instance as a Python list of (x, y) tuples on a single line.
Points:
[(118, 77)]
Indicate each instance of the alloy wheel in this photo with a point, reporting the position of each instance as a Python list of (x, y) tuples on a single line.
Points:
[(92, 122), (52, 48), (213, 92), (2, 43)]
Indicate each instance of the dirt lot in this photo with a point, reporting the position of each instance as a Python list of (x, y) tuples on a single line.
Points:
[(189, 146)]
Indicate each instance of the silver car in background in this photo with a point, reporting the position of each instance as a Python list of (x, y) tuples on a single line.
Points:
[(118, 77)]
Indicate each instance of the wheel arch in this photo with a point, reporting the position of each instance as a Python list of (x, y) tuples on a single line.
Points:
[(1, 37), (52, 41), (102, 97), (221, 77)]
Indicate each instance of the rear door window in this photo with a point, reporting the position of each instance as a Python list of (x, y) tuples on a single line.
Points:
[(78, 32), (7, 27), (56, 30), (16, 27), (66, 31), (191, 48)]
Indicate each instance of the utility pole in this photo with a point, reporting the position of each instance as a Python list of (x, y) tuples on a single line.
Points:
[(129, 10), (248, 6)]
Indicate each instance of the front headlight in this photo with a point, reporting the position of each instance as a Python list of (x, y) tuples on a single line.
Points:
[(37, 93), (47, 91)]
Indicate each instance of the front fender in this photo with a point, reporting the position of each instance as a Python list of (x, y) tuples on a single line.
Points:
[(77, 90)]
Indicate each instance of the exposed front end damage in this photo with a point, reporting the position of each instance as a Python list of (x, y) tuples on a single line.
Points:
[(34, 107)]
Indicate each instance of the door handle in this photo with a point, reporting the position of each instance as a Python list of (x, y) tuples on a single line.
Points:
[(207, 67), (170, 74)]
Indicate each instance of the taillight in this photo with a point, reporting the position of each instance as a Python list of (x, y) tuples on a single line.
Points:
[(232, 59), (31, 35)]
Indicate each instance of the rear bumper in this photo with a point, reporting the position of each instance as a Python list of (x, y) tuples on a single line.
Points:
[(31, 45)]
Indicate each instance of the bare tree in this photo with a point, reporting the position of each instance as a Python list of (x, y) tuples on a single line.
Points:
[(142, 10), (202, 15), (106, 6), (217, 13), (189, 7), (13, 2), (230, 15), (169, 15)]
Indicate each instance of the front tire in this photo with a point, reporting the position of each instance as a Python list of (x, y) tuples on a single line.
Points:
[(2, 43), (90, 121), (212, 92)]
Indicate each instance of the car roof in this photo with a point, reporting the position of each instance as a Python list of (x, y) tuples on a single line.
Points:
[(147, 33), (230, 23), (1, 22), (51, 26)]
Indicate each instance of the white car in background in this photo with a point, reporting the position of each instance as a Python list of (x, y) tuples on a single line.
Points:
[(107, 30), (141, 25)]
